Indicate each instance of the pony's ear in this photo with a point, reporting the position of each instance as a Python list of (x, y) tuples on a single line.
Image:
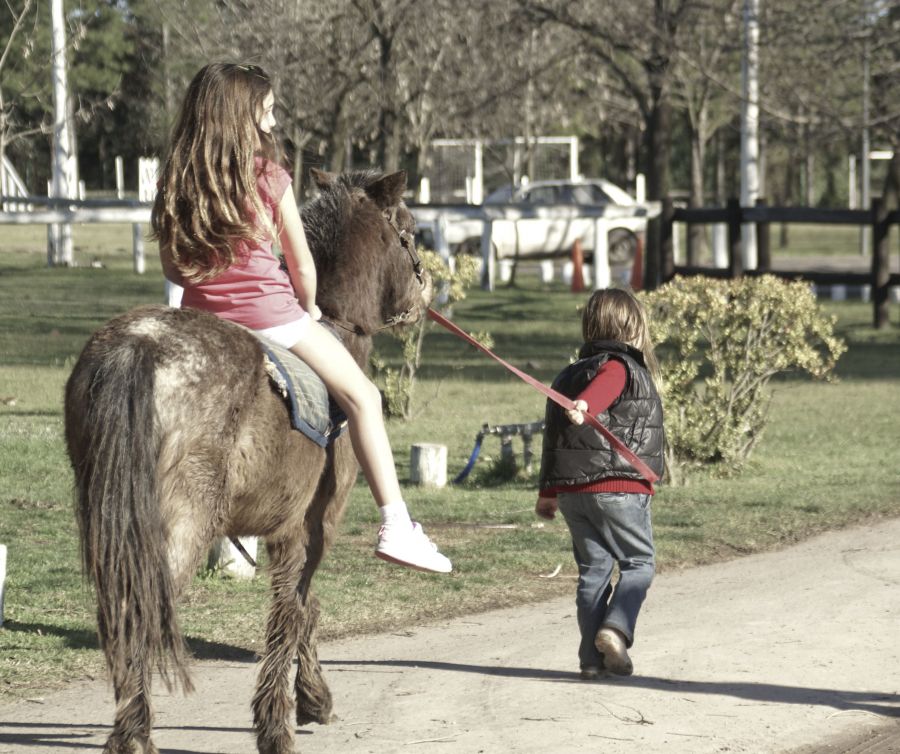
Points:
[(323, 180), (388, 191)]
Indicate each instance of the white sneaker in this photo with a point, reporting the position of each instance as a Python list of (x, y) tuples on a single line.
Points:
[(411, 548)]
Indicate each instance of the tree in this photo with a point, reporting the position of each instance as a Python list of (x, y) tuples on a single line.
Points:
[(98, 53), (18, 35), (637, 43), (708, 55)]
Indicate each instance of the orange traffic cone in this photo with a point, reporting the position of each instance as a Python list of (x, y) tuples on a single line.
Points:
[(577, 267)]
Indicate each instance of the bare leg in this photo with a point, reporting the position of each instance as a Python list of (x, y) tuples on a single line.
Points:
[(399, 540), (361, 401)]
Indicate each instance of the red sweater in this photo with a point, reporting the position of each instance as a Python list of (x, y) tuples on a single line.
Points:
[(599, 395)]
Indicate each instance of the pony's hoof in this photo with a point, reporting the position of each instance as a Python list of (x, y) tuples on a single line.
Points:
[(279, 745), (115, 745), (323, 717)]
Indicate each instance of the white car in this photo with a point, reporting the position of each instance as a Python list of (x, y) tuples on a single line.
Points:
[(549, 219)]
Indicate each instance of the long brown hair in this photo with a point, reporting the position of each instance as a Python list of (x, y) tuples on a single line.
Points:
[(615, 314), (208, 198)]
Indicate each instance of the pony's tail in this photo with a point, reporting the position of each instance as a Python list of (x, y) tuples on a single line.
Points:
[(114, 444)]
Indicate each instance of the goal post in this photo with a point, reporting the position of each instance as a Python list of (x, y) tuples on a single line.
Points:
[(465, 171)]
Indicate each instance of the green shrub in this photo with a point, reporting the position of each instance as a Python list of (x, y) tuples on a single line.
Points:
[(450, 284), (719, 344)]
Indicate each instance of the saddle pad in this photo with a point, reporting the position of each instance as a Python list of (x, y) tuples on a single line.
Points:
[(313, 412)]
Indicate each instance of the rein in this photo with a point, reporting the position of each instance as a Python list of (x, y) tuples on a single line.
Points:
[(407, 241), (553, 395)]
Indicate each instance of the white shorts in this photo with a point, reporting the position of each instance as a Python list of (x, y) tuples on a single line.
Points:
[(290, 334)]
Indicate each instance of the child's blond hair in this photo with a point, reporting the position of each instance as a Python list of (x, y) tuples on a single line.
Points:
[(616, 314)]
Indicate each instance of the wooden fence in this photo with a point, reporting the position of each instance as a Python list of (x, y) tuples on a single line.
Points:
[(661, 261), (62, 211)]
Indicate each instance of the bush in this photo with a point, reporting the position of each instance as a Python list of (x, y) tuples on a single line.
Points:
[(450, 284), (719, 343)]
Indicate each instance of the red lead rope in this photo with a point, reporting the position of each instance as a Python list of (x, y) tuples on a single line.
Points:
[(553, 395)]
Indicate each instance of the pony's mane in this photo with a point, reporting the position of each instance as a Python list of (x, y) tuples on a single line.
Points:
[(325, 218)]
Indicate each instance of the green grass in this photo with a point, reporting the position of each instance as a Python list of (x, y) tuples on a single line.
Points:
[(804, 240), (828, 460)]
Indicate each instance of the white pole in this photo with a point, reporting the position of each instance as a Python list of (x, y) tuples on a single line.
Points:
[(865, 241), (750, 128), (602, 277), (137, 243), (851, 181), (573, 159), (62, 254), (720, 245), (120, 178), (640, 188), (478, 182)]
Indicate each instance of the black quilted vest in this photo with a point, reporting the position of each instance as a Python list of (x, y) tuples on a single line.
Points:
[(575, 454)]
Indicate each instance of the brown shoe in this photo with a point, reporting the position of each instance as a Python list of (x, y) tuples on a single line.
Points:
[(611, 644), (589, 673)]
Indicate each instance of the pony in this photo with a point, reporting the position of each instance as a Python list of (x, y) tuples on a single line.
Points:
[(177, 437)]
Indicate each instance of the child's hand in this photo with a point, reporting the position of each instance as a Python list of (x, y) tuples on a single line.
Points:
[(315, 312), (546, 507), (576, 415)]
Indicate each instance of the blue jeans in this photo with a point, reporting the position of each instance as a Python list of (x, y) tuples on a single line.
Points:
[(609, 528)]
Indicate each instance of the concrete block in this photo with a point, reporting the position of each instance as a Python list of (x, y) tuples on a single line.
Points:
[(428, 464)]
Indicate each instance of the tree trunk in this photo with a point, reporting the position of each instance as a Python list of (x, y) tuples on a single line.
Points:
[(788, 196), (891, 192), (337, 144), (656, 149), (696, 238), (809, 169), (388, 150), (656, 154), (721, 188)]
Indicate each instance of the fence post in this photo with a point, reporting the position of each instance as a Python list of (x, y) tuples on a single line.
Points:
[(442, 247), (487, 256), (735, 264), (428, 464), (763, 249), (223, 555), (137, 242), (880, 264), (120, 178)]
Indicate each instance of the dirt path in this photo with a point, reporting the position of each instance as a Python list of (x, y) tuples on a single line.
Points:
[(797, 650)]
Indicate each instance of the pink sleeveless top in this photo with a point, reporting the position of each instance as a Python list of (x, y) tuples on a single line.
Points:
[(254, 291)]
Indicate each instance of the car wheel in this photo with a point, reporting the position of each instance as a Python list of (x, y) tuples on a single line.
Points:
[(622, 247), (472, 247)]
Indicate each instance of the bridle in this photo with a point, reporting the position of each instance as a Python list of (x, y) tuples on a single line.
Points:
[(408, 242)]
